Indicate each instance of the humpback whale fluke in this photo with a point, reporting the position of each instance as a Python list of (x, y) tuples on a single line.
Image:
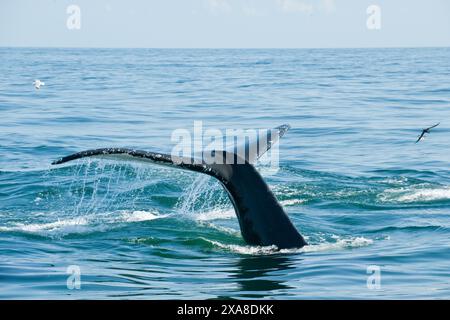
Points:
[(425, 131), (262, 219)]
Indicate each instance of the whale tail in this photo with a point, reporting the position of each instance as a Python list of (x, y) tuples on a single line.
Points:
[(262, 219)]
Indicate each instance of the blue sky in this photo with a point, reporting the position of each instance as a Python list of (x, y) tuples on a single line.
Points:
[(225, 23)]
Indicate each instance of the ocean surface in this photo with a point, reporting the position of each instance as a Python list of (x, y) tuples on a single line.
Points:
[(369, 200)]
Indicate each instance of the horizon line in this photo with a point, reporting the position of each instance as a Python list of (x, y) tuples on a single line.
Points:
[(223, 48)]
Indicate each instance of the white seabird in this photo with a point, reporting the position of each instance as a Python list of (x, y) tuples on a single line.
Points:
[(38, 83)]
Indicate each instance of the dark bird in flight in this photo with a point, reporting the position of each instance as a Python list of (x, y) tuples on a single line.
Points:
[(425, 131)]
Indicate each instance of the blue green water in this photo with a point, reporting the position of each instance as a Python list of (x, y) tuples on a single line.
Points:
[(351, 177)]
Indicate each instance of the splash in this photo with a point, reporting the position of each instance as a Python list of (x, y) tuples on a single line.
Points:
[(187, 201), (204, 199)]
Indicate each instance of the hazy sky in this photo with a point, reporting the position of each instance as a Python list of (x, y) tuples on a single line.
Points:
[(224, 23)]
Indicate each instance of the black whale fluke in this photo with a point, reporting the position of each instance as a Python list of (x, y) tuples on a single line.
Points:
[(262, 219)]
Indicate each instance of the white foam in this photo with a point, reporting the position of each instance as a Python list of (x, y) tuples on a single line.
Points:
[(137, 216), (291, 202), (215, 215), (250, 250), (426, 195), (60, 227), (414, 195), (340, 244), (37, 200), (396, 180), (83, 224)]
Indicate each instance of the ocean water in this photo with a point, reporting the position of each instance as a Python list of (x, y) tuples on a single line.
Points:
[(351, 177)]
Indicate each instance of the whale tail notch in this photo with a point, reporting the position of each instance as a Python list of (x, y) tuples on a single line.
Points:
[(262, 219)]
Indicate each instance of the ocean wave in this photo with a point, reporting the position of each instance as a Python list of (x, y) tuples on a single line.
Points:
[(406, 195), (82, 225), (426, 195), (59, 227), (412, 228)]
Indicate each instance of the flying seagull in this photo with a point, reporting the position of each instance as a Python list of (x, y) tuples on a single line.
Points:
[(38, 83), (425, 131)]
